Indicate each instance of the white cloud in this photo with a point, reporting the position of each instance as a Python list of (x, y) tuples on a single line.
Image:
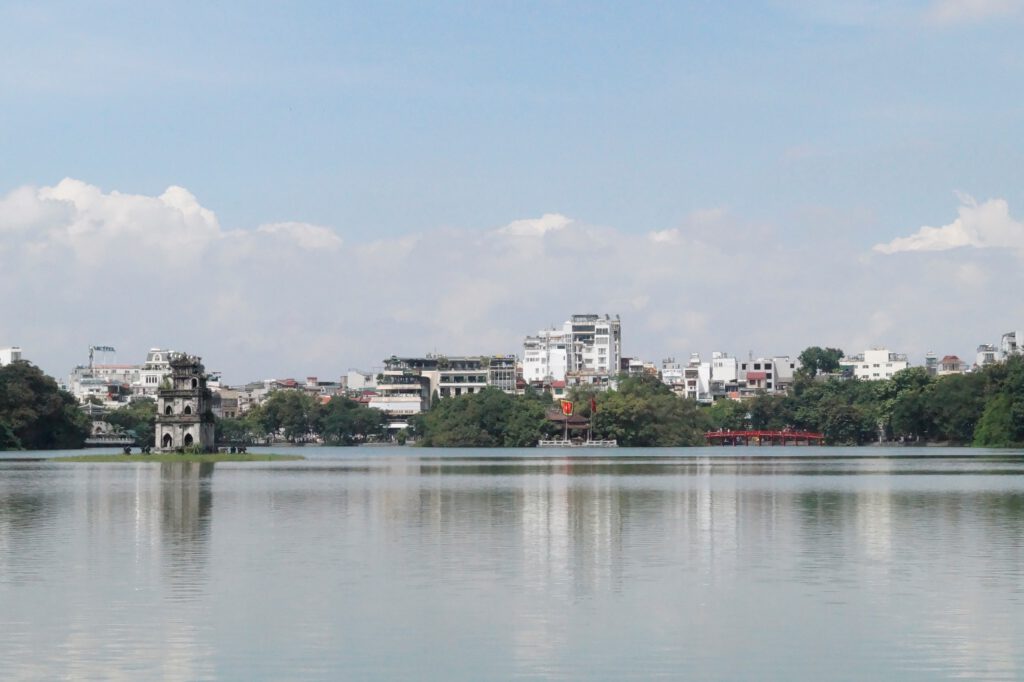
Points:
[(971, 11), (82, 266), (549, 222), (311, 237), (986, 225)]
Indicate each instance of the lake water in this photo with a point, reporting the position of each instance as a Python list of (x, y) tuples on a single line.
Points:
[(403, 563)]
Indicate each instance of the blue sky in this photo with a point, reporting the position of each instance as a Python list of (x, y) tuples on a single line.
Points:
[(820, 129)]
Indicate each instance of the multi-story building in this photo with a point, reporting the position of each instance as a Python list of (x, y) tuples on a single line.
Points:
[(769, 375), (408, 385), (951, 364), (546, 356), (1012, 343), (156, 370), (988, 355), (587, 345), (875, 364), (9, 354)]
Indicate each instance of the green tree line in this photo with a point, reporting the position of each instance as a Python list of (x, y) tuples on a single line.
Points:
[(300, 417), (35, 414), (984, 409)]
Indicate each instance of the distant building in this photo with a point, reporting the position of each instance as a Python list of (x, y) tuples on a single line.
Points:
[(931, 363), (1012, 343), (951, 364), (9, 354), (875, 364), (152, 373), (588, 346), (987, 355), (407, 385), (184, 415), (770, 375)]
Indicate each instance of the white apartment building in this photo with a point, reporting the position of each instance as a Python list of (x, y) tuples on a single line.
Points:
[(1012, 343), (875, 364), (585, 345), (988, 355), (546, 356), (9, 354), (702, 381)]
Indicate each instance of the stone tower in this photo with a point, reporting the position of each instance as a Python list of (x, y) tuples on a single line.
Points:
[(184, 418)]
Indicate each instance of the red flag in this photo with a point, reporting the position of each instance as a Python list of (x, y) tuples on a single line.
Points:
[(593, 406), (567, 408)]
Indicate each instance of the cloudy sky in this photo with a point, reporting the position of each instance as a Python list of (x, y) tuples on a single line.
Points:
[(300, 188)]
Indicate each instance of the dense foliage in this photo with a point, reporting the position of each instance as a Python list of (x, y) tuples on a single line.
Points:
[(35, 414), (300, 417), (138, 418), (491, 418), (983, 408), (642, 412)]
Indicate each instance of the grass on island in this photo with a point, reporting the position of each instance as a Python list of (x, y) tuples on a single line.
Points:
[(161, 457)]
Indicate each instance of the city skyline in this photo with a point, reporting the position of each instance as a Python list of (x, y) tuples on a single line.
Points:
[(292, 190)]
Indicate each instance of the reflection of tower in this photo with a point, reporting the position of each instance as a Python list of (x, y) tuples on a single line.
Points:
[(184, 417), (186, 501)]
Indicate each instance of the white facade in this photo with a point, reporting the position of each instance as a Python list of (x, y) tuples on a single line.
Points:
[(358, 380), (153, 372), (875, 364), (545, 356), (1012, 343), (724, 368), (586, 345), (9, 354), (988, 355)]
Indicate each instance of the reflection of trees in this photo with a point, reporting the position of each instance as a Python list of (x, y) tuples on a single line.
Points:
[(25, 512)]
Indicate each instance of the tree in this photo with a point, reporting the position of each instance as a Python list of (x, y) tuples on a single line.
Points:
[(345, 422), (954, 406), (490, 418), (137, 417), (645, 412), (816, 359), (35, 414), (292, 413), (728, 415)]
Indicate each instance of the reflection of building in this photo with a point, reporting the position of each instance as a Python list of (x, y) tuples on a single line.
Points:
[(184, 417)]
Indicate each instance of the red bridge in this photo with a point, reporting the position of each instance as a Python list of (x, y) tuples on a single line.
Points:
[(764, 438)]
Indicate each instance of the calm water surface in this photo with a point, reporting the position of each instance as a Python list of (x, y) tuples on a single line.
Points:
[(381, 563)]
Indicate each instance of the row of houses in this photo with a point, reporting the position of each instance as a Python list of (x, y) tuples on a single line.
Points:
[(586, 350)]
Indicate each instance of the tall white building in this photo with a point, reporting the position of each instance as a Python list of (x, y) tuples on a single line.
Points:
[(875, 364), (585, 345), (9, 354), (1012, 343)]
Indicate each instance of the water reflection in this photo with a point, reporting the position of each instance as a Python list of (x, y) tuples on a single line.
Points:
[(550, 567)]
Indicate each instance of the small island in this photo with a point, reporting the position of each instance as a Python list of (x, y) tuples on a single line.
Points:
[(161, 457)]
